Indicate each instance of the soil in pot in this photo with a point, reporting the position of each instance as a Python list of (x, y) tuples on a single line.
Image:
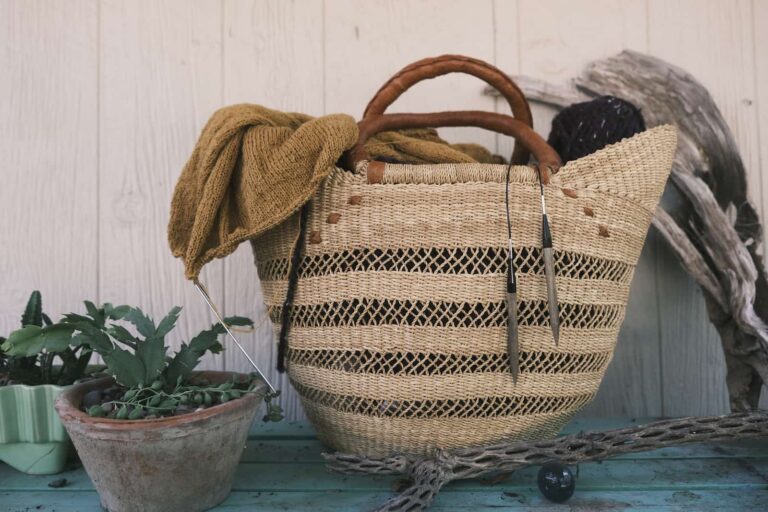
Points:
[(157, 401)]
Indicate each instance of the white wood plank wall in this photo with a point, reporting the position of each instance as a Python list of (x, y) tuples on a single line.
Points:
[(102, 101)]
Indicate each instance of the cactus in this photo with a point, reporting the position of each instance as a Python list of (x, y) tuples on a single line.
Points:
[(38, 367), (33, 313)]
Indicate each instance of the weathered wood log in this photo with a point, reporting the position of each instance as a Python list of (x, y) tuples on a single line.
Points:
[(716, 232), (429, 475)]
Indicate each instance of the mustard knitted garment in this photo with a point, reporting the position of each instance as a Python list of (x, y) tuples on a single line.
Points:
[(252, 167)]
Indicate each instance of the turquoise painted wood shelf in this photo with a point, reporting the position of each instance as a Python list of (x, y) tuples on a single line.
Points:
[(282, 470)]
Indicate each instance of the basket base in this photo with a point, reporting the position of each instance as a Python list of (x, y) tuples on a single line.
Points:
[(383, 437)]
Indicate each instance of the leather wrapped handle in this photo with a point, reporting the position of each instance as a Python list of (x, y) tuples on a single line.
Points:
[(437, 66), (547, 157)]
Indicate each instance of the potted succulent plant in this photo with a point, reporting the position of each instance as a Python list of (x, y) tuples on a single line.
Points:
[(30, 381), (145, 434)]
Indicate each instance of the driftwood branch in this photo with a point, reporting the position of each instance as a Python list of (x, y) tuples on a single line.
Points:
[(716, 232), (429, 475), (541, 91), (690, 257)]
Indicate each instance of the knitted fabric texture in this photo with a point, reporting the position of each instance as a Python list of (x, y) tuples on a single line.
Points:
[(252, 167), (583, 128)]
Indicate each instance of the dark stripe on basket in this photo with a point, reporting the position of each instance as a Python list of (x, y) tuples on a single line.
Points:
[(457, 260), (356, 312), (482, 407), (422, 363)]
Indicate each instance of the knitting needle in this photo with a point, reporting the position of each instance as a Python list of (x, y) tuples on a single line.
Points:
[(513, 342), (513, 347), (207, 300), (549, 266)]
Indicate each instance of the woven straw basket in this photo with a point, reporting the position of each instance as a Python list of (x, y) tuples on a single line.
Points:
[(397, 339)]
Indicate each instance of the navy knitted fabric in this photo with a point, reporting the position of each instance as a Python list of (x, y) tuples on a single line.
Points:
[(583, 128)]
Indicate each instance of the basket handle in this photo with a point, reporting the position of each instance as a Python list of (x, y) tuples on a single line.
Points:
[(547, 157), (437, 66)]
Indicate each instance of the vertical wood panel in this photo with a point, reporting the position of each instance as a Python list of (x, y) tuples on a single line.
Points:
[(506, 23), (273, 55), (632, 384), (48, 156), (160, 65), (557, 38), (100, 113), (760, 34), (713, 41), (368, 41)]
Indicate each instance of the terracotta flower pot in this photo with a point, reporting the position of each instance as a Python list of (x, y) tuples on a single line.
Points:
[(178, 464)]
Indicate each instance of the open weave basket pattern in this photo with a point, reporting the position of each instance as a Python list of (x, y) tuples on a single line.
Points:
[(398, 328)]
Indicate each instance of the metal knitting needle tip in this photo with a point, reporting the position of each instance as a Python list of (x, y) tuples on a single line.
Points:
[(549, 269), (513, 350), (207, 300), (513, 341), (554, 312)]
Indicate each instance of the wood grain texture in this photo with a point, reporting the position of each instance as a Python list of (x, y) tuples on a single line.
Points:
[(506, 23), (281, 469), (683, 33), (760, 32), (273, 55), (48, 156), (429, 475), (632, 384), (557, 38), (502, 497), (104, 99), (160, 79), (368, 41)]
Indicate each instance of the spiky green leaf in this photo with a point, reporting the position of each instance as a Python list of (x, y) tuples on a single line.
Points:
[(166, 324), (204, 341), (116, 312), (32, 340), (96, 313), (91, 308), (93, 337), (25, 342), (143, 323), (74, 318), (207, 340), (57, 337), (126, 367), (182, 365), (152, 354), (238, 321)]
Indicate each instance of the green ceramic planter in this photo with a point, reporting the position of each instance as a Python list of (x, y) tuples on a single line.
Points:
[(32, 438)]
